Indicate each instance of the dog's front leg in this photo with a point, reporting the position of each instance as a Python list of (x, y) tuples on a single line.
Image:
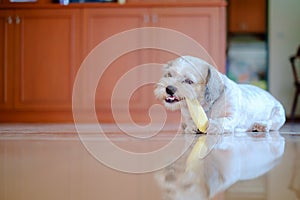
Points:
[(187, 124), (220, 125), (215, 125), (189, 127)]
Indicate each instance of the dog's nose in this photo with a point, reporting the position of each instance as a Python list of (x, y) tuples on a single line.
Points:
[(171, 90)]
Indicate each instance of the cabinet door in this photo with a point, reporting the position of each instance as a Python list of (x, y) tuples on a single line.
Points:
[(6, 59), (101, 24), (205, 25), (247, 16), (47, 56)]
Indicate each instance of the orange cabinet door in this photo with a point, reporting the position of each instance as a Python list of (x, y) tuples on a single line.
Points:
[(100, 25), (205, 25), (47, 56), (6, 58), (247, 16)]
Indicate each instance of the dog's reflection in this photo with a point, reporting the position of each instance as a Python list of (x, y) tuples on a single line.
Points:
[(228, 160)]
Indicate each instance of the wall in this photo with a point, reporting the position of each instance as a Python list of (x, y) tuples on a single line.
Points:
[(284, 38)]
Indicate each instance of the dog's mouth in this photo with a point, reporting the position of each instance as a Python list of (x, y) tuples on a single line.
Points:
[(172, 99)]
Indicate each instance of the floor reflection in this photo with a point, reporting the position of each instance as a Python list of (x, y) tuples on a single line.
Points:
[(294, 184), (50, 162), (231, 159)]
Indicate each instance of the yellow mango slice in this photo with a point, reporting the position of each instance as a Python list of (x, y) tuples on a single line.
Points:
[(198, 152), (198, 115)]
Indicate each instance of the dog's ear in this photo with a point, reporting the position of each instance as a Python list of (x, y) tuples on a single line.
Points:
[(214, 85)]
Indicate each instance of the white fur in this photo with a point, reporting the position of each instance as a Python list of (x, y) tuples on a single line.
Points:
[(229, 106)]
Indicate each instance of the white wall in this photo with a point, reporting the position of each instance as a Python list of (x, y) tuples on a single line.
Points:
[(284, 38)]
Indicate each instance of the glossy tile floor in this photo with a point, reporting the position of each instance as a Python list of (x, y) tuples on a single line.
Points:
[(53, 161)]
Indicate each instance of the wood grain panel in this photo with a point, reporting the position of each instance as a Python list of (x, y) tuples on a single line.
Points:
[(6, 59), (42, 52), (247, 16), (201, 24), (48, 58), (101, 24)]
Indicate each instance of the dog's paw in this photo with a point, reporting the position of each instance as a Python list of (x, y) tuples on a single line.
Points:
[(260, 127), (191, 130)]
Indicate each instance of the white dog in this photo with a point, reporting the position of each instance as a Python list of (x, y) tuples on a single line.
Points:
[(229, 106)]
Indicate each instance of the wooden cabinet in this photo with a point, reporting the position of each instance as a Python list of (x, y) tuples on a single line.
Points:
[(42, 49), (101, 24), (204, 25), (247, 16), (47, 53), (6, 59), (41, 54)]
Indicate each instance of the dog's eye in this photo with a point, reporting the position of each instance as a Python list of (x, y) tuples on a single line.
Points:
[(188, 81), (167, 75)]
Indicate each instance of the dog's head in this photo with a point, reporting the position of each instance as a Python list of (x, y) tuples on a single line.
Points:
[(188, 77)]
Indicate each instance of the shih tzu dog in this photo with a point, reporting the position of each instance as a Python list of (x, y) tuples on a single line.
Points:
[(230, 107)]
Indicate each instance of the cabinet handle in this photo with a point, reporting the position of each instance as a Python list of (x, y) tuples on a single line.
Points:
[(18, 20), (154, 18), (9, 20)]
